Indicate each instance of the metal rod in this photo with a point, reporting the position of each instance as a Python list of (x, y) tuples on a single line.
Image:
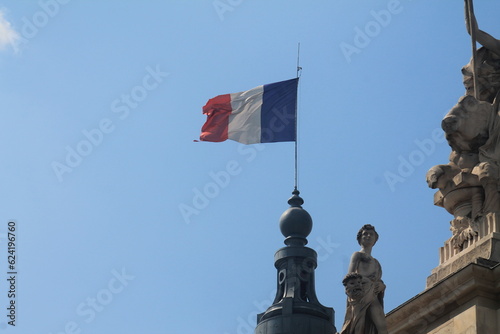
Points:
[(470, 15), (297, 121)]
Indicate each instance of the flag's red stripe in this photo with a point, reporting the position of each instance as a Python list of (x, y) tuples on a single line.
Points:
[(217, 110)]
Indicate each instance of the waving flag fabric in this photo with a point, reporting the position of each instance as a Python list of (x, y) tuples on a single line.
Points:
[(264, 114)]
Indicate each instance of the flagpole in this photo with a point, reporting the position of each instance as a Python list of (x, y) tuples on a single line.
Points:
[(297, 121), (470, 14)]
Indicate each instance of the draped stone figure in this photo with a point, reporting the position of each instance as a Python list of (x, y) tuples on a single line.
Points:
[(487, 68), (487, 73), (364, 289), (469, 185)]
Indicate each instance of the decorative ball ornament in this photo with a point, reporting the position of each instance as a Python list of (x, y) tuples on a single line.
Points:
[(295, 222)]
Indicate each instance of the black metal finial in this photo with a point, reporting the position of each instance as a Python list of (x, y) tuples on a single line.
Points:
[(295, 222), (295, 200)]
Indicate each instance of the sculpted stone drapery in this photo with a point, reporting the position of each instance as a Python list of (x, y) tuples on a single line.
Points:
[(364, 289), (469, 185)]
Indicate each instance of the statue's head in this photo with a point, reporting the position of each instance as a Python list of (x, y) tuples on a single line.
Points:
[(488, 75), (466, 124), (367, 230)]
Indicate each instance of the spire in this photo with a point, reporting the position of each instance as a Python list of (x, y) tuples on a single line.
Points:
[(296, 308)]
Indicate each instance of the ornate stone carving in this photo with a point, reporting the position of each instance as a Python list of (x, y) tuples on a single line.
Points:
[(364, 289), (469, 185), (463, 229)]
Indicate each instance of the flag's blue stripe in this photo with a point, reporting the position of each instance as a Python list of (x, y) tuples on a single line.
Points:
[(278, 117)]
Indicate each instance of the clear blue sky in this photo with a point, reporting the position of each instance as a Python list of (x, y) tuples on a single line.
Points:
[(101, 102)]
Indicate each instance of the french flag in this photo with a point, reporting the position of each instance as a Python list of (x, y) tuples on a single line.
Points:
[(264, 114)]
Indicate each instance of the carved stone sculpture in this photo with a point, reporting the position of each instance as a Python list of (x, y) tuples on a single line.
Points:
[(487, 74), (466, 125), (460, 189), (469, 186), (487, 67), (364, 289)]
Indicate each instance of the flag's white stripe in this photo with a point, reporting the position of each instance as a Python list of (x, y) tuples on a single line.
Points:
[(244, 121)]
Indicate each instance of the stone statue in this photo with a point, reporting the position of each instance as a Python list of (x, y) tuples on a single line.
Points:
[(469, 186), (466, 125), (364, 289), (460, 189), (487, 72), (488, 63)]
